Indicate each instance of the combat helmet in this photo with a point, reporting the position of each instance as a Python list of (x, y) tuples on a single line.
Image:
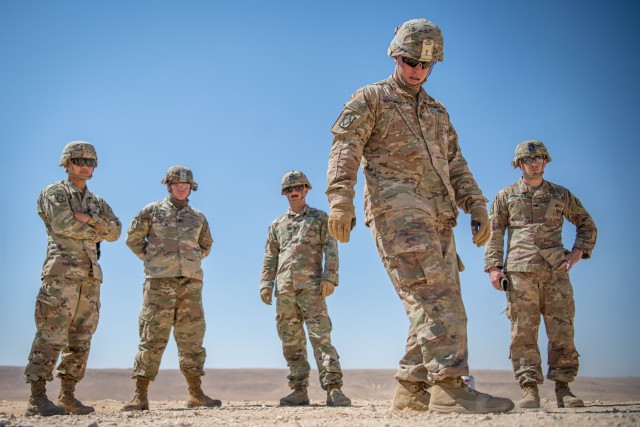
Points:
[(179, 173), (532, 147), (294, 178), (418, 39), (78, 150)]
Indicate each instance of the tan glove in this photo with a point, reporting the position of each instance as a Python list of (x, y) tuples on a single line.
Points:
[(342, 219), (326, 288), (480, 226), (265, 295)]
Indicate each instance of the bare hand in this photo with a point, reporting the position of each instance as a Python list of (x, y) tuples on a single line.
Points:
[(571, 259), (265, 295), (82, 217), (326, 288), (495, 274)]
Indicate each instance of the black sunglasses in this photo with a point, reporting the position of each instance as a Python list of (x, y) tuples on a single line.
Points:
[(82, 161), (294, 188), (413, 63)]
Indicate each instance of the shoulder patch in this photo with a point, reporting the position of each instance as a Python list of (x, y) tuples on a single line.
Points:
[(60, 197), (346, 120)]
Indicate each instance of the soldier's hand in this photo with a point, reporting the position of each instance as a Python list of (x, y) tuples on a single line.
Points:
[(265, 295), (82, 217), (495, 274), (571, 259), (342, 219), (326, 288), (480, 226)]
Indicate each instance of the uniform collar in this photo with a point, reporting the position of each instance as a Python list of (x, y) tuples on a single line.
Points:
[(304, 211)]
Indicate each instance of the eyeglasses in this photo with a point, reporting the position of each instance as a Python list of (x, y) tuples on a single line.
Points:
[(413, 63), (82, 161), (536, 159), (294, 188), (181, 185)]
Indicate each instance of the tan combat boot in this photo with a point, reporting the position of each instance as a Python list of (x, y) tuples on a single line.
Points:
[(140, 401), (298, 397), (565, 398), (335, 397), (453, 395), (411, 396), (531, 397), (39, 403), (67, 400), (197, 398)]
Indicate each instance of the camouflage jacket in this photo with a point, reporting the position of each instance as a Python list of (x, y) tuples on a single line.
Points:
[(534, 222), (172, 242), (72, 246), (294, 252), (410, 160)]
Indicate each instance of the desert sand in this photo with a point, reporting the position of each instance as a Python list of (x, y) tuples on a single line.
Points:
[(250, 397)]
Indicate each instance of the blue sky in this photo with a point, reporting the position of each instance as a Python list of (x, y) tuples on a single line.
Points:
[(244, 91)]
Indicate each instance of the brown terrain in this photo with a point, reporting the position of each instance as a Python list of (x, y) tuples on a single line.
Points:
[(250, 397)]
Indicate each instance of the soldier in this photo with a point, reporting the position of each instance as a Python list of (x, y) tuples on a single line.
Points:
[(415, 180), (296, 243), (537, 269), (68, 304), (172, 239)]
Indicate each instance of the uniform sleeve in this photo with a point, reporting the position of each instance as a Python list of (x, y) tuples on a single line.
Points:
[(468, 194), (205, 240), (499, 218), (106, 223), (586, 231), (138, 232), (55, 211), (330, 250), (350, 134), (270, 261)]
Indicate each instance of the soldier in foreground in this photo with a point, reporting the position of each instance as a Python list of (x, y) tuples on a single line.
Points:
[(172, 239), (415, 180), (293, 257), (67, 307), (537, 268)]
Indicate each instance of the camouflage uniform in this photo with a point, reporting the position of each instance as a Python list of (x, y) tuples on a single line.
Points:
[(415, 180), (296, 244), (534, 219), (172, 242), (68, 304)]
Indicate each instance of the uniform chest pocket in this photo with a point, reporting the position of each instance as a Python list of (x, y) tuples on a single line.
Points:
[(519, 210), (555, 211)]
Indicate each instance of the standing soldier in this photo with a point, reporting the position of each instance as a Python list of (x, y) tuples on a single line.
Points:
[(537, 269), (172, 239), (296, 243), (415, 180), (68, 304)]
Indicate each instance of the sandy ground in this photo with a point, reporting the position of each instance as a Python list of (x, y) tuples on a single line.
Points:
[(250, 397)]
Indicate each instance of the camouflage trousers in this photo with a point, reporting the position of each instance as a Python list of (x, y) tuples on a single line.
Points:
[(171, 302), (66, 315), (420, 257), (549, 294), (293, 310)]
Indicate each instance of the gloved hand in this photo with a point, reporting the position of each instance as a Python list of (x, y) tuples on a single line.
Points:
[(480, 226), (342, 219), (326, 288), (265, 295)]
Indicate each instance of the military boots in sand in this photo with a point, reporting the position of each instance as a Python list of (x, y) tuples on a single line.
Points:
[(411, 396), (197, 398), (140, 401), (531, 397), (335, 397), (39, 403), (298, 397), (67, 400), (453, 395), (565, 398)]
